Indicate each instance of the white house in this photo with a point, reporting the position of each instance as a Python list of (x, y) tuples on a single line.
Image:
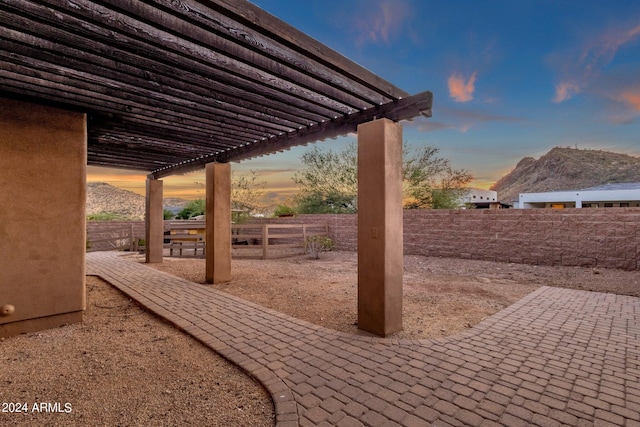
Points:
[(622, 195), (481, 199)]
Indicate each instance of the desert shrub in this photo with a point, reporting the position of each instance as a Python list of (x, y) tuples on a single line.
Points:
[(315, 245), (105, 216), (283, 210), (167, 214), (193, 208)]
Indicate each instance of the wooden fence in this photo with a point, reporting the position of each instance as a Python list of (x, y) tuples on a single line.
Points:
[(187, 238), (266, 241), (262, 241), (118, 237)]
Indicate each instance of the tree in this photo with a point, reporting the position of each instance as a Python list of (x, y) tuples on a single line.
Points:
[(429, 181), (245, 191), (193, 208), (167, 214), (329, 181)]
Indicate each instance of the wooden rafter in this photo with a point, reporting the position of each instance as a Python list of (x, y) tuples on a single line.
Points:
[(403, 109), (171, 85)]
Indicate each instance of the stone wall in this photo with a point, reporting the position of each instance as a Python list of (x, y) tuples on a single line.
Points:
[(603, 237), (607, 237)]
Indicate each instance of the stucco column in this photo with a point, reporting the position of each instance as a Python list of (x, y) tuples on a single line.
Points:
[(43, 156), (218, 234), (154, 221), (380, 227)]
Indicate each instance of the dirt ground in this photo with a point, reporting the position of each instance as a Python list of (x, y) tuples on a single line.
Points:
[(442, 296), (123, 366)]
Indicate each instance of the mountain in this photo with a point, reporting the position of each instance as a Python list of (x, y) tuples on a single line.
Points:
[(103, 197), (563, 169)]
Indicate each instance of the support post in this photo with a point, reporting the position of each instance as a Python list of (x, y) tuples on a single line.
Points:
[(380, 241), (265, 241), (43, 155), (218, 223), (154, 222)]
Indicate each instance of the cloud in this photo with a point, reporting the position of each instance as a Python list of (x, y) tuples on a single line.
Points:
[(381, 21), (627, 108), (581, 66), (461, 90), (479, 116), (429, 125), (460, 120), (565, 91), (603, 48), (631, 98)]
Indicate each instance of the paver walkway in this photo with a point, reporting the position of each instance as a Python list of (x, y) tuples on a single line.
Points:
[(556, 357)]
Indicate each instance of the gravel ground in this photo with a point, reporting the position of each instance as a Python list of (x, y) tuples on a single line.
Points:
[(123, 366)]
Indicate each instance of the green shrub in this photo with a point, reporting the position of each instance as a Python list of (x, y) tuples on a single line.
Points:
[(105, 216), (283, 210), (193, 208)]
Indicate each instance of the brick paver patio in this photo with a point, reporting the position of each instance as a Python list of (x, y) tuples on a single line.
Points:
[(556, 357)]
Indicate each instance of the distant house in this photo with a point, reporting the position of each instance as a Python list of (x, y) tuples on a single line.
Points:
[(480, 199), (622, 195)]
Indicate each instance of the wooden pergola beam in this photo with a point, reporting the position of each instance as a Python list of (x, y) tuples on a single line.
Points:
[(403, 109)]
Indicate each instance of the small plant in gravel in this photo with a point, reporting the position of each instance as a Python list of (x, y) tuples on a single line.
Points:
[(315, 245), (283, 210)]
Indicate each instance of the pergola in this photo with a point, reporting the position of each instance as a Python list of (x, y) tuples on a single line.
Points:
[(170, 87)]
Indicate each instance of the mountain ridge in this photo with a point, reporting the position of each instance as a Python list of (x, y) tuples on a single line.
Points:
[(564, 169), (103, 197)]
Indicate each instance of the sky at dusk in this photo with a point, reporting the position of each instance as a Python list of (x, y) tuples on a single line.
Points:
[(510, 79)]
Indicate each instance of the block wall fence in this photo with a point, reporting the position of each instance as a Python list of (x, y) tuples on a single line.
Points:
[(588, 237), (607, 237)]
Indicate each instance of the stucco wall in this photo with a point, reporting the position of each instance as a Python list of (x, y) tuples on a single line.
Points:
[(42, 220)]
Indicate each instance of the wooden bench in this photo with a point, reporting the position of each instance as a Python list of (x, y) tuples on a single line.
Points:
[(186, 239)]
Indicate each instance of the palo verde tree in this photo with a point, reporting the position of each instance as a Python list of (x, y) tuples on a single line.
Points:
[(246, 190), (328, 183), (429, 181)]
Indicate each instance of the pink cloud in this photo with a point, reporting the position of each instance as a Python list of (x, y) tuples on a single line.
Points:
[(461, 90), (631, 98)]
